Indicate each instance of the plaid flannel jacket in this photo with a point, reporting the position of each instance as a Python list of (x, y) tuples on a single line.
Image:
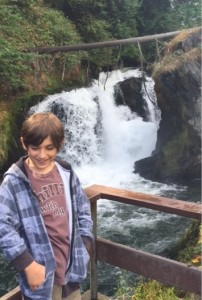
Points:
[(23, 236)]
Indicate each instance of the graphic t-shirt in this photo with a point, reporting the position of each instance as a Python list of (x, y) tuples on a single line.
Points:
[(49, 190)]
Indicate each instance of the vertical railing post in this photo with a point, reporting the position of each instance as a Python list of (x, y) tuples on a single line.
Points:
[(93, 265)]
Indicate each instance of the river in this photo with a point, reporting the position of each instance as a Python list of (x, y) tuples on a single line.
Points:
[(102, 143)]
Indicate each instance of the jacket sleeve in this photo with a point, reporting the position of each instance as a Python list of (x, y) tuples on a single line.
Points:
[(83, 209), (11, 244)]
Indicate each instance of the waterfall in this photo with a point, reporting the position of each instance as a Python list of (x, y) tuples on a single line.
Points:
[(104, 140)]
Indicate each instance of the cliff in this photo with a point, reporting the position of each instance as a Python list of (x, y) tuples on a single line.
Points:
[(177, 157)]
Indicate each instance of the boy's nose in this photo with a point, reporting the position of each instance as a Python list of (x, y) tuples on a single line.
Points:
[(42, 153)]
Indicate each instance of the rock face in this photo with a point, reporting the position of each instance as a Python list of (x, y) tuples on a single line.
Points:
[(129, 92), (177, 157)]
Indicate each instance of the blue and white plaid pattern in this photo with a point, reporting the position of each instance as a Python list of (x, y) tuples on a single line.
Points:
[(22, 227)]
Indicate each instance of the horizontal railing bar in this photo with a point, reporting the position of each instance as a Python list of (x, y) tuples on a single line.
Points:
[(163, 204), (92, 194), (164, 270), (14, 294)]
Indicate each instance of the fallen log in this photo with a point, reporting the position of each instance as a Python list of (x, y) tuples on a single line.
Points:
[(104, 44)]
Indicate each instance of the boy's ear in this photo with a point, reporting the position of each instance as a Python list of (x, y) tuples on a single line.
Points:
[(23, 145)]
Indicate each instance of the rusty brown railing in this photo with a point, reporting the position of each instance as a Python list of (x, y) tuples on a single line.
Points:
[(14, 294), (164, 270)]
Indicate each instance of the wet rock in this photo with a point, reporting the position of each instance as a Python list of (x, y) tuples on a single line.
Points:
[(177, 156)]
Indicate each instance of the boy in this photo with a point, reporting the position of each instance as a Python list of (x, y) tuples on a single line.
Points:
[(45, 222)]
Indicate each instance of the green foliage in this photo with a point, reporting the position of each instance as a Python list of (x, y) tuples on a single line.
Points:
[(85, 7), (104, 20), (27, 24), (151, 16), (59, 5), (184, 14), (146, 290), (37, 23), (162, 16), (7, 138), (93, 30), (96, 30), (122, 17), (87, 16), (13, 67), (159, 16), (190, 245)]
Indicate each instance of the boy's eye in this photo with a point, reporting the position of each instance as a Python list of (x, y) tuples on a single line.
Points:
[(34, 147), (47, 148)]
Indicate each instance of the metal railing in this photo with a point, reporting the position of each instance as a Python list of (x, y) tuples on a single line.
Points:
[(163, 270)]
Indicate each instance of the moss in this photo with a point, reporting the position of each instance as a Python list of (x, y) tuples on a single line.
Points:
[(6, 136), (11, 118), (177, 41), (169, 63), (188, 245), (173, 152), (177, 54), (174, 61)]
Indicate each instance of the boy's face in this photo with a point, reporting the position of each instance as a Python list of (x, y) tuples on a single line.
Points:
[(41, 157)]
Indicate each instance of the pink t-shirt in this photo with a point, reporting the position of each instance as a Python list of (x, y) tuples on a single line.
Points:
[(49, 190)]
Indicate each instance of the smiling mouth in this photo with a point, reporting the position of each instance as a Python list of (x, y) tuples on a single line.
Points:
[(42, 162)]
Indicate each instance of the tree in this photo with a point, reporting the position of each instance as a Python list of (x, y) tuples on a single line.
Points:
[(122, 17), (151, 16), (184, 14), (91, 26), (159, 16)]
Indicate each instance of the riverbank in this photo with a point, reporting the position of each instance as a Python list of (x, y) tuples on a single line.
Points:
[(152, 290)]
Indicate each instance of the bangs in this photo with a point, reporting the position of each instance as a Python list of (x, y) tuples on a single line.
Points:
[(38, 127)]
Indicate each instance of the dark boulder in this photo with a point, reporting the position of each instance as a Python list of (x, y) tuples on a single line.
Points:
[(129, 92)]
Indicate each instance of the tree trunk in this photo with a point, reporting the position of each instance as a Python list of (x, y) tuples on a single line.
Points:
[(113, 43)]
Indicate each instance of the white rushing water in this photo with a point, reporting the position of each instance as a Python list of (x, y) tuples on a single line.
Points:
[(102, 143), (106, 154)]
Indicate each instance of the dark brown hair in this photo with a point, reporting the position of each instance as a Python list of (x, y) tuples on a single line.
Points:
[(37, 127)]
